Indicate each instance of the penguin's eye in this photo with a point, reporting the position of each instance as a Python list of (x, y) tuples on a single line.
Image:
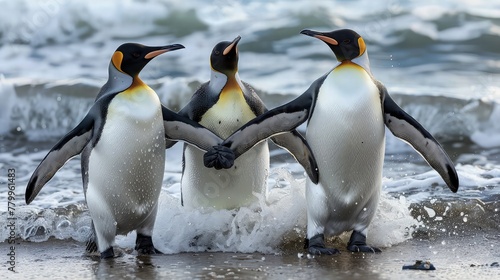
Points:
[(136, 54), (346, 41), (217, 52)]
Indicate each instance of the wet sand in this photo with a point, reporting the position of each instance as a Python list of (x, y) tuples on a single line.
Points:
[(463, 257)]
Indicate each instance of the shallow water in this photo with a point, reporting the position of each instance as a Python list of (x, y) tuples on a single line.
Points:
[(468, 257)]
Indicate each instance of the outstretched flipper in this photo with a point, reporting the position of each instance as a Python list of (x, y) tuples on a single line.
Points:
[(181, 128), (409, 130), (299, 148), (278, 120), (178, 127), (69, 146), (275, 122)]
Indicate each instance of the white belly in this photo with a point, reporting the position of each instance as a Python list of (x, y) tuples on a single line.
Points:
[(347, 136), (224, 189), (230, 188), (127, 164)]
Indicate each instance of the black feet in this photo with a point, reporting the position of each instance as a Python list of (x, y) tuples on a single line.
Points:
[(219, 157), (357, 243), (108, 253), (316, 246), (144, 245)]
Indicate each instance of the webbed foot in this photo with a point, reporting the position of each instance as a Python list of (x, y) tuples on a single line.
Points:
[(357, 243), (144, 245), (108, 253), (316, 246)]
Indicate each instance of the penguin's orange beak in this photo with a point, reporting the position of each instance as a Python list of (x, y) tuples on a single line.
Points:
[(320, 36), (232, 45)]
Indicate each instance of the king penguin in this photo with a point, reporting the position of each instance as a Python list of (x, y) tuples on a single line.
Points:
[(122, 140), (223, 105), (346, 110)]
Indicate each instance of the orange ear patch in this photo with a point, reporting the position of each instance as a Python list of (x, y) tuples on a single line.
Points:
[(362, 46), (117, 60)]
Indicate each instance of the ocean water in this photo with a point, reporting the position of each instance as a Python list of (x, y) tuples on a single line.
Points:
[(440, 60)]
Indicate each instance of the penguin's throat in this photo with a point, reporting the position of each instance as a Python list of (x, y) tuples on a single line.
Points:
[(231, 89), (347, 62), (137, 82), (232, 83), (140, 92)]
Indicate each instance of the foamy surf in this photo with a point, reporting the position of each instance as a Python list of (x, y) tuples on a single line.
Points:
[(268, 226)]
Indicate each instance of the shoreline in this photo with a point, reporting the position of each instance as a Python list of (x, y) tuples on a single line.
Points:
[(465, 257)]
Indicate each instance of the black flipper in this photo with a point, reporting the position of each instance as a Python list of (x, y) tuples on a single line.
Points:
[(281, 119), (277, 121), (69, 146), (294, 143), (291, 141), (178, 127), (201, 96), (409, 130)]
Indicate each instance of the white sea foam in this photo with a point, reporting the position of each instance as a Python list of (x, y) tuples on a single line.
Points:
[(262, 227), (56, 39), (489, 136)]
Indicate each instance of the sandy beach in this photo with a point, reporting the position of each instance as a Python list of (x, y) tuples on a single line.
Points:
[(460, 257)]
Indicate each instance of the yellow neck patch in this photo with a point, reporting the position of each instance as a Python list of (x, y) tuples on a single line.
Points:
[(231, 87), (117, 60), (347, 63), (137, 82), (137, 88), (230, 112)]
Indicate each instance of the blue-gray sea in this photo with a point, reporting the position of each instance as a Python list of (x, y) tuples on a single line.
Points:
[(440, 60)]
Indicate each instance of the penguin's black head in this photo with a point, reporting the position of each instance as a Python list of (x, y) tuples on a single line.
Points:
[(130, 58), (345, 43), (224, 57)]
